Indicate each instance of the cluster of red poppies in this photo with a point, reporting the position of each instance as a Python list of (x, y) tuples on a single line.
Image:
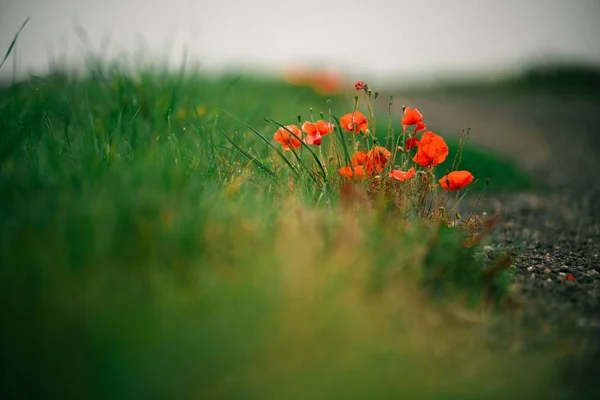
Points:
[(431, 149)]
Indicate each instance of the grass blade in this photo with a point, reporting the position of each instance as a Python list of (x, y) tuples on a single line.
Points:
[(14, 41), (461, 144), (268, 142), (251, 157), (339, 129)]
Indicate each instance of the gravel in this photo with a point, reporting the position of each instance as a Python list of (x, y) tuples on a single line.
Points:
[(557, 247)]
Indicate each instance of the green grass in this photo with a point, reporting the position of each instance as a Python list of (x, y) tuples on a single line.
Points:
[(143, 256)]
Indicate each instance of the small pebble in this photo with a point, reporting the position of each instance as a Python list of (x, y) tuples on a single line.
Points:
[(529, 269), (532, 276), (592, 272), (562, 274), (549, 280), (547, 271)]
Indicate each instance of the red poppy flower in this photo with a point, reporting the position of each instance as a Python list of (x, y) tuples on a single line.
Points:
[(359, 172), (412, 116), (297, 75), (570, 277), (359, 158), (402, 176), (411, 142), (354, 122), (432, 150), (326, 82), (378, 157), (322, 82), (360, 85), (315, 131), (456, 180), (288, 139)]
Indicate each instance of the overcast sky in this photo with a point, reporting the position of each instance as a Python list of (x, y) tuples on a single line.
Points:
[(371, 37)]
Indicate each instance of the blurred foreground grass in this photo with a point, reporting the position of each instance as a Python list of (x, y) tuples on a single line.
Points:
[(143, 257)]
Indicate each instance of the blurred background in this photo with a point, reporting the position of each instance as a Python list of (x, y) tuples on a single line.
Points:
[(378, 40)]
